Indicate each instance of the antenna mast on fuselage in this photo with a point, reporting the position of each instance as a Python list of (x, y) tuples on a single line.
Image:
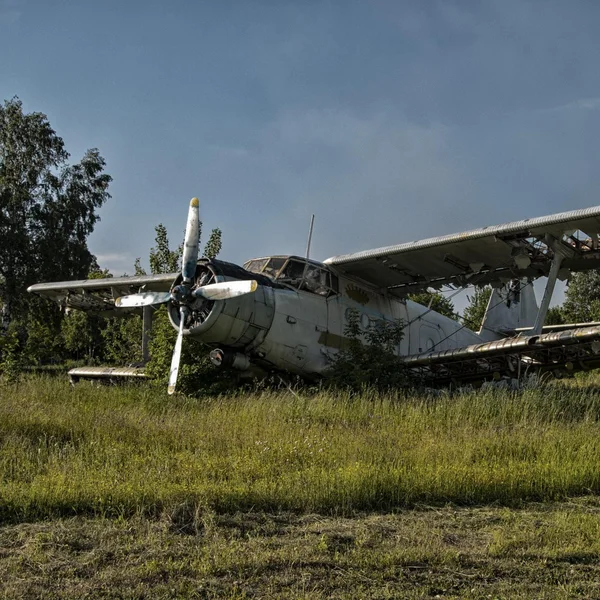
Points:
[(310, 232)]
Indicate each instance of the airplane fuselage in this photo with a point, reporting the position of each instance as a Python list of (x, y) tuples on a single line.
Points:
[(288, 326)]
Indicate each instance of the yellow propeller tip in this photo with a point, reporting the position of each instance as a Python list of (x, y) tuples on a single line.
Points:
[(195, 202)]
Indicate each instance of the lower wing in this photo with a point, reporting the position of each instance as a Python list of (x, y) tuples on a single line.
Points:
[(559, 352)]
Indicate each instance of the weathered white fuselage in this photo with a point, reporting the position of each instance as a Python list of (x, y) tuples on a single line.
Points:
[(299, 331)]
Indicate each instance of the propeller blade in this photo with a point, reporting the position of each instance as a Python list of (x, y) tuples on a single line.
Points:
[(142, 299), (225, 290), (190, 245), (176, 354)]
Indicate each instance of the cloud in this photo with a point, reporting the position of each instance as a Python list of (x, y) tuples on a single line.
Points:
[(580, 104), (10, 11), (117, 264), (371, 179)]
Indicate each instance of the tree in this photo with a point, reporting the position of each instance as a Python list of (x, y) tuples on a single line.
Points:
[(162, 258), (10, 355), (555, 316), (436, 302), (582, 298), (475, 310), (214, 244), (47, 207)]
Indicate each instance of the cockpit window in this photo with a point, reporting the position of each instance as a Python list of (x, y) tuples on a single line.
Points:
[(274, 266), (292, 273), (256, 265), (307, 276), (296, 272)]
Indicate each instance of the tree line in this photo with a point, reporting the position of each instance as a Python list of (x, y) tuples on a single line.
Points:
[(49, 207)]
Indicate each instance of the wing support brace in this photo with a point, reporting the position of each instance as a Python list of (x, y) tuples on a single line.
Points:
[(147, 314), (560, 253)]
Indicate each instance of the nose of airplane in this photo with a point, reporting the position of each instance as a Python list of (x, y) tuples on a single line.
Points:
[(234, 322)]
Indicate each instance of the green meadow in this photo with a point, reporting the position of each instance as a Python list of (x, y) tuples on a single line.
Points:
[(111, 451), (210, 492)]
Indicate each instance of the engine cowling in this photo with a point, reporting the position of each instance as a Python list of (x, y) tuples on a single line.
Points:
[(240, 322)]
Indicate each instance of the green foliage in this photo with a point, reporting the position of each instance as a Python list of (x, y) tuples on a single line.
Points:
[(44, 344), (197, 375), (47, 207), (555, 316), (582, 298), (82, 337), (214, 244), (162, 258), (436, 301), (10, 355), (122, 340), (475, 310), (137, 267), (81, 333), (369, 360)]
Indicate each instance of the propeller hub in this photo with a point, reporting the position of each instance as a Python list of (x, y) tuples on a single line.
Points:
[(182, 294)]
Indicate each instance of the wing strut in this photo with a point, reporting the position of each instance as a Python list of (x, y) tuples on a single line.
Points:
[(560, 253), (147, 314)]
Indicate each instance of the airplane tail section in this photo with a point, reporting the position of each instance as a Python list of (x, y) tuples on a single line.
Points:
[(511, 306)]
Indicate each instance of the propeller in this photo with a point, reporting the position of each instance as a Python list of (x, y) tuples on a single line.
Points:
[(225, 289), (183, 294), (174, 371), (213, 291), (142, 299)]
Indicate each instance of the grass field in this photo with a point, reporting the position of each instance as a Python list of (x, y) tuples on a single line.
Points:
[(280, 494), (542, 551)]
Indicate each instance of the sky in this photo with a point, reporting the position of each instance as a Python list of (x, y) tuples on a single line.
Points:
[(391, 121)]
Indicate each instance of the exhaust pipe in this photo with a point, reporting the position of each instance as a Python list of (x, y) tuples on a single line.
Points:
[(228, 358)]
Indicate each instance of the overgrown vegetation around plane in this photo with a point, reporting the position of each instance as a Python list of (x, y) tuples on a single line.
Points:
[(372, 364)]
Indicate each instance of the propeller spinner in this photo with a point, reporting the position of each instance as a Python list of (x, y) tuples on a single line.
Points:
[(184, 294)]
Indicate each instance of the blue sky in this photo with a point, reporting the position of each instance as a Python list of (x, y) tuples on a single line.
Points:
[(391, 121)]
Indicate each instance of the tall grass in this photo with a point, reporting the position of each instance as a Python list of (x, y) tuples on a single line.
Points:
[(120, 451)]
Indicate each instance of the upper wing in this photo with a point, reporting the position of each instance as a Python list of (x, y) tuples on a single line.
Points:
[(98, 295), (492, 254)]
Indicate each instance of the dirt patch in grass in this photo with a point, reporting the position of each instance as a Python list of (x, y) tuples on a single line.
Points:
[(549, 551)]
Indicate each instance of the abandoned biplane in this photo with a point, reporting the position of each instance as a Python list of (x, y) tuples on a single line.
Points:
[(289, 313)]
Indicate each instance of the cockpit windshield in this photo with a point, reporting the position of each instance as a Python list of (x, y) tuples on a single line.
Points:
[(296, 272), (273, 266), (256, 265), (267, 266)]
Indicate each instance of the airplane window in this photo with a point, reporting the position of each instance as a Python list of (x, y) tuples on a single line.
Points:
[(256, 265), (274, 266), (297, 273), (334, 283), (293, 272), (316, 280)]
